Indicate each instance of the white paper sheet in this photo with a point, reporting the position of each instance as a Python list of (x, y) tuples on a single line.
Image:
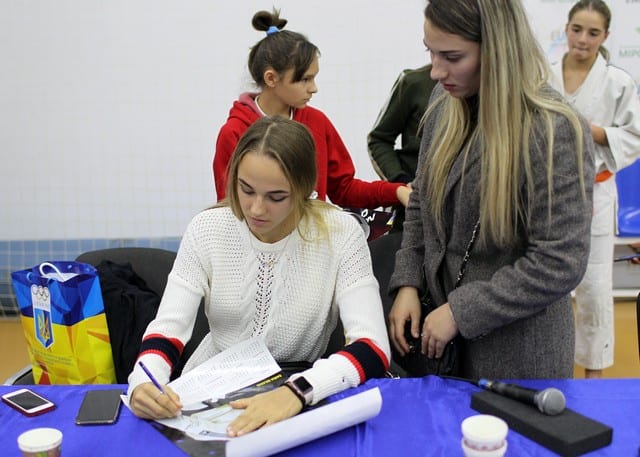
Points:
[(210, 424), (307, 426), (239, 366)]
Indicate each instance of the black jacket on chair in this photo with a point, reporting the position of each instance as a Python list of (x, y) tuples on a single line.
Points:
[(129, 305)]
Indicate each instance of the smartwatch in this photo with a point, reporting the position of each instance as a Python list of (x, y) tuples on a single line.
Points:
[(301, 388)]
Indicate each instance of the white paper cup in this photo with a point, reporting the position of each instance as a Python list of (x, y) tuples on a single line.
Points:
[(40, 442), (484, 435)]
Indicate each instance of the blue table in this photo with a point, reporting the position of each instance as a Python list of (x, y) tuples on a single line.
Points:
[(418, 417)]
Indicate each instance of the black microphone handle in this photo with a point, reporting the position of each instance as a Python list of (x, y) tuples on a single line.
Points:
[(523, 394)]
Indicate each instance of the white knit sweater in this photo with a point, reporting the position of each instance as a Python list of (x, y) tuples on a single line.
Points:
[(289, 293)]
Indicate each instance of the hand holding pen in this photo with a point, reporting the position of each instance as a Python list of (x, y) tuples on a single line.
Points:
[(164, 399)]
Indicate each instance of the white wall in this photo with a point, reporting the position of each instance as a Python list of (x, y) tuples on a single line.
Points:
[(110, 110)]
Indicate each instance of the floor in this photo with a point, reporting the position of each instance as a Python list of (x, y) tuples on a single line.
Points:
[(14, 354)]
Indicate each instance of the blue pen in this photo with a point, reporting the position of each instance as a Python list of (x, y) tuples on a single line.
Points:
[(153, 380)]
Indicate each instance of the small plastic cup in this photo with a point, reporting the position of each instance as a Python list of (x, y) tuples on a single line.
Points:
[(40, 442), (484, 435)]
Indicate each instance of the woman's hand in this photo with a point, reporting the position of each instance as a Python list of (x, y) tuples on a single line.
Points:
[(406, 307), (264, 409), (599, 135), (438, 329), (148, 402), (403, 193)]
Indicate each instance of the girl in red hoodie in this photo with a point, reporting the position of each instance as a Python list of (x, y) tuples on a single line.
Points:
[(284, 65)]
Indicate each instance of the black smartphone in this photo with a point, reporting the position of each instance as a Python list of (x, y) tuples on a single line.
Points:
[(27, 402), (99, 407)]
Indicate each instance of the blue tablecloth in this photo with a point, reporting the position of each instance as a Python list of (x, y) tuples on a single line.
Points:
[(418, 417)]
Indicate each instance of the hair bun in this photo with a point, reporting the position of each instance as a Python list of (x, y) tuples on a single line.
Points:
[(262, 20)]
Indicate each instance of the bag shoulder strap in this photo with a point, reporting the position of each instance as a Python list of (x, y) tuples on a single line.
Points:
[(467, 254)]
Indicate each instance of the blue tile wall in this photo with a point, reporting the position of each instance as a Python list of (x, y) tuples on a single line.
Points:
[(21, 254)]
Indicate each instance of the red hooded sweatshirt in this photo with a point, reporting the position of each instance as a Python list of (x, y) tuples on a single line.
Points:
[(336, 173)]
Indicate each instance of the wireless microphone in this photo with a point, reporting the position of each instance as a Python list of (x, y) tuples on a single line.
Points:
[(549, 401)]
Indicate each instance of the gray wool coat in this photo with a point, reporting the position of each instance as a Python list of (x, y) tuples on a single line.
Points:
[(513, 306)]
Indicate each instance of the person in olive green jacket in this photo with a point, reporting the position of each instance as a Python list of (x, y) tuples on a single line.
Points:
[(400, 116)]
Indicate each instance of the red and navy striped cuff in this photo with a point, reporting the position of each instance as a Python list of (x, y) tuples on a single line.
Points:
[(169, 349), (368, 359)]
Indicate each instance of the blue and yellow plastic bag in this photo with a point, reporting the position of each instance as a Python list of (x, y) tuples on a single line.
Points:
[(63, 318)]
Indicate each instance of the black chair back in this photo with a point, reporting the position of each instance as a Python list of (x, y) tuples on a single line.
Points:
[(153, 265)]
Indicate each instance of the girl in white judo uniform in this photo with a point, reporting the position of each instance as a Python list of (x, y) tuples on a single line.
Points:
[(607, 97)]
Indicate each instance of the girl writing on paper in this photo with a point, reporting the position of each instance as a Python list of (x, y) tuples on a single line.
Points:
[(504, 157), (607, 97), (284, 66), (270, 262)]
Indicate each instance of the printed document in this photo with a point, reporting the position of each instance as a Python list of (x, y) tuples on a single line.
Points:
[(239, 366)]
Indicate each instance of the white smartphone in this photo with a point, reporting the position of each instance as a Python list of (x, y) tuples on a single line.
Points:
[(28, 402)]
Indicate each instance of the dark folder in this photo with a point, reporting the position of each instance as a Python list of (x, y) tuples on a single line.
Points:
[(568, 433)]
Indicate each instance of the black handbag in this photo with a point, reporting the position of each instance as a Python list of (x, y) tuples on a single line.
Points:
[(417, 364)]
